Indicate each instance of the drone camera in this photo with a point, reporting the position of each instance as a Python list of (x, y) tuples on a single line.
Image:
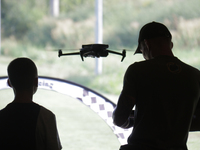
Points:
[(95, 46)]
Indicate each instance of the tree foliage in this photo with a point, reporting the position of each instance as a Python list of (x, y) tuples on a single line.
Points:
[(18, 17), (67, 6), (29, 21)]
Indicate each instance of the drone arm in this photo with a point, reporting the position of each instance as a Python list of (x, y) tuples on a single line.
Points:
[(61, 54), (77, 53), (123, 53), (114, 52), (81, 54)]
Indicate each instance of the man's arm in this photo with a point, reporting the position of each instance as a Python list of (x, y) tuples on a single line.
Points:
[(123, 113), (52, 137), (195, 125), (46, 133)]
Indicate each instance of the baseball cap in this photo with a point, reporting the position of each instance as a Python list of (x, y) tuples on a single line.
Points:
[(152, 30)]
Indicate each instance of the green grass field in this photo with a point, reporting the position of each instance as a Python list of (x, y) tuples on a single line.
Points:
[(79, 127)]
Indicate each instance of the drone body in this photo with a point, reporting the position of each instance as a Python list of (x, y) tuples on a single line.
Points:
[(94, 50)]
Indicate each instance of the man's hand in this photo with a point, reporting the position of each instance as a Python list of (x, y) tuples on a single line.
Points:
[(130, 122), (123, 115)]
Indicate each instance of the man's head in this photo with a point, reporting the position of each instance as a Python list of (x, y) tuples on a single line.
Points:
[(155, 33), (22, 74)]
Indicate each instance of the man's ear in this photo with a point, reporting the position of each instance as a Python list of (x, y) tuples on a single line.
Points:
[(9, 84), (36, 82)]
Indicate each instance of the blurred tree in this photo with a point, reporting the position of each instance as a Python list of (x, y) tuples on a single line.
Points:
[(69, 5), (18, 17), (30, 21)]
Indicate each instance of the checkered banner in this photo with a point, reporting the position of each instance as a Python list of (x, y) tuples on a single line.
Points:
[(97, 102)]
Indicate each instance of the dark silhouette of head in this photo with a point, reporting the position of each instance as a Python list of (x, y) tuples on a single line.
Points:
[(152, 30), (154, 40), (22, 74)]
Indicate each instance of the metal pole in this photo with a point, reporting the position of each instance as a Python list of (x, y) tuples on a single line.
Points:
[(99, 32), (54, 8)]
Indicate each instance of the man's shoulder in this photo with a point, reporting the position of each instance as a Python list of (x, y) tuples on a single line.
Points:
[(46, 112), (190, 68), (12, 107), (138, 65)]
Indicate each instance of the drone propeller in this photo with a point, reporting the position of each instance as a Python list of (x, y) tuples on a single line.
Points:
[(63, 49)]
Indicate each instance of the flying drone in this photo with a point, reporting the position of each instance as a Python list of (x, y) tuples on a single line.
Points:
[(93, 50)]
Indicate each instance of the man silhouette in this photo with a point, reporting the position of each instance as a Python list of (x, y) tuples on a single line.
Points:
[(165, 92), (24, 124)]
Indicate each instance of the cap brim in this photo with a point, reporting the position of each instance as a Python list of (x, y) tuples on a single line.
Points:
[(138, 50)]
